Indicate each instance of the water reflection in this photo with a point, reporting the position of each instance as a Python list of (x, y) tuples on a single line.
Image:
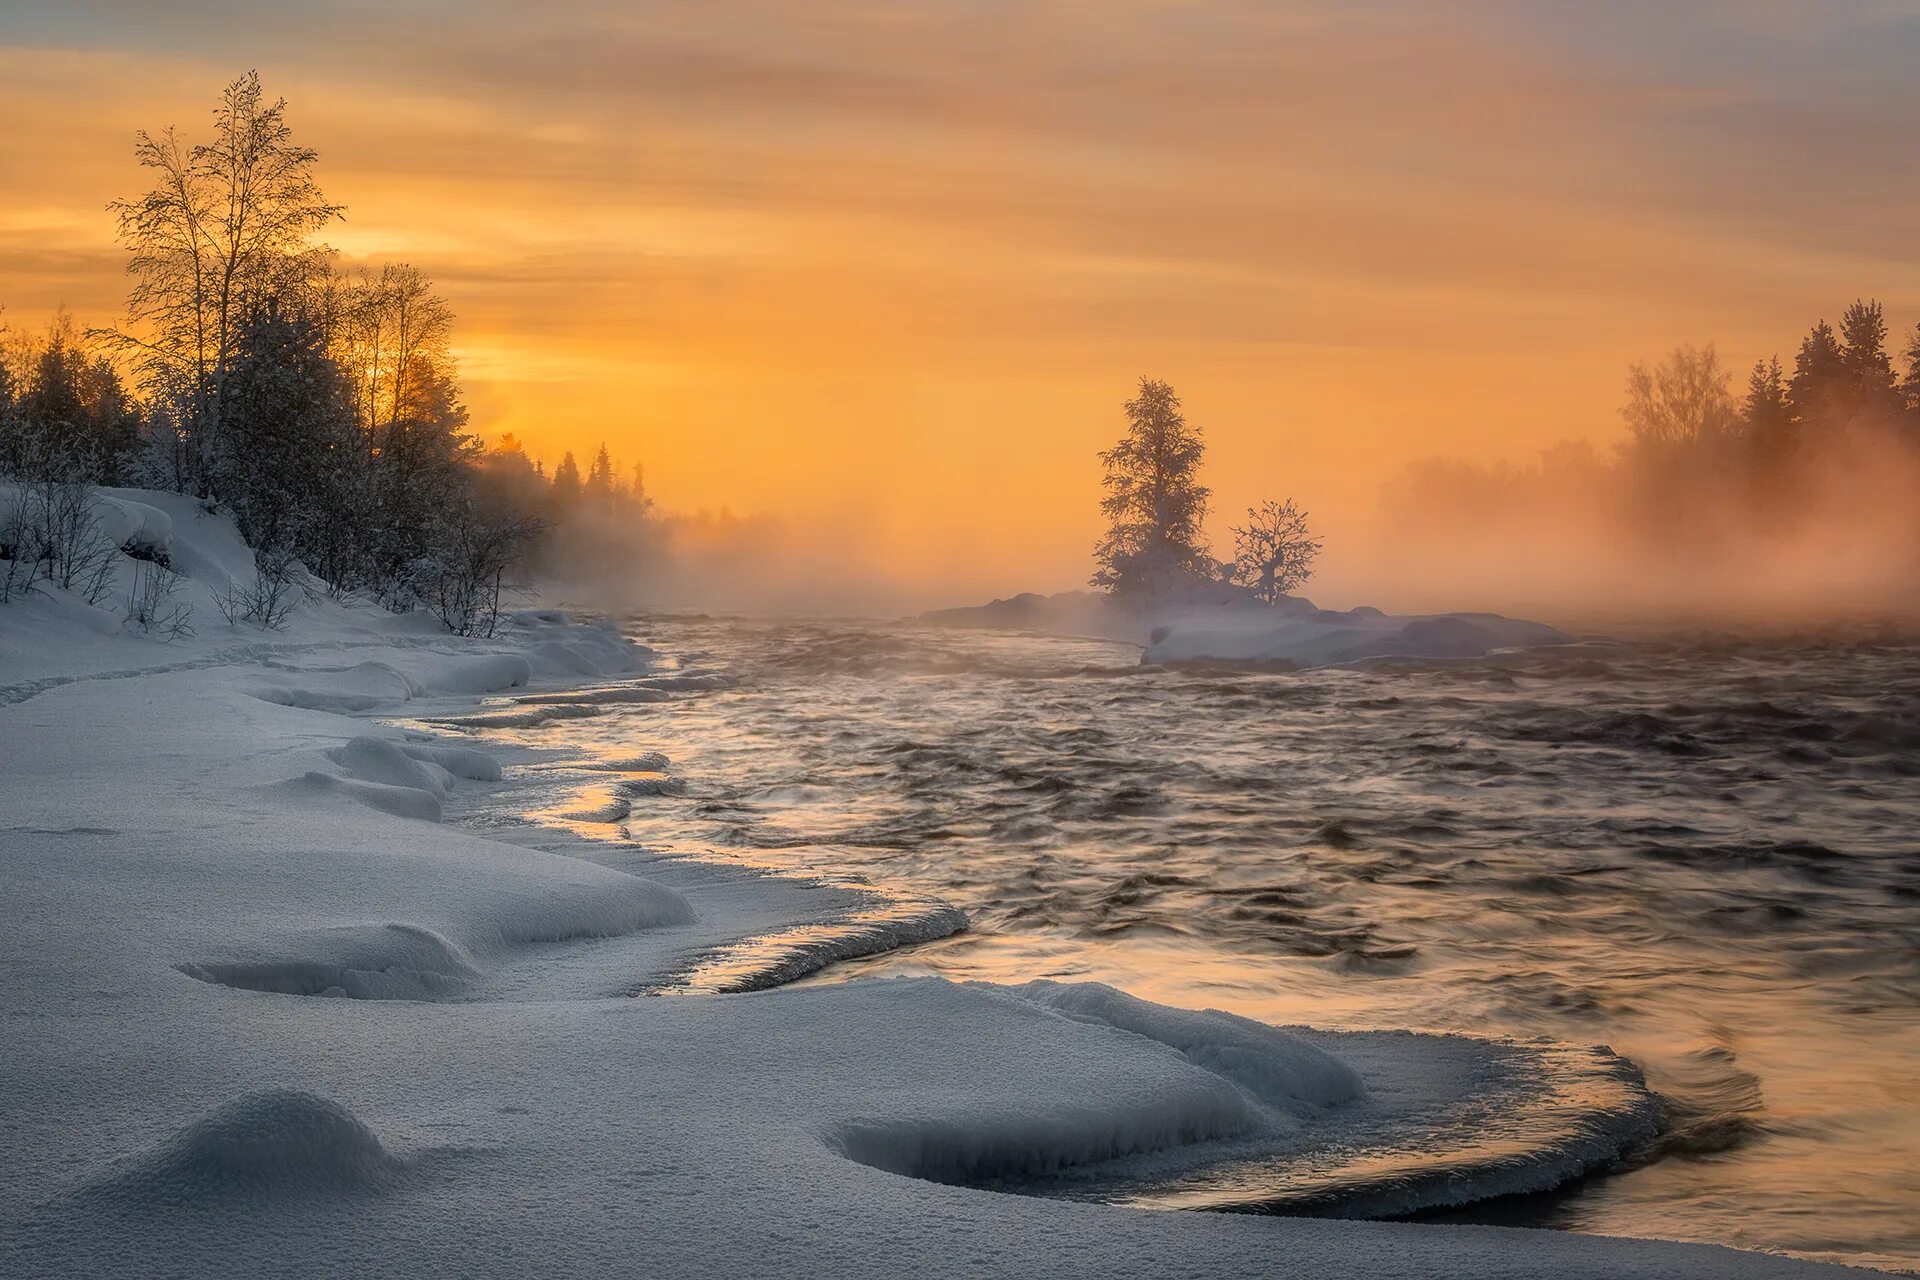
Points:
[(1700, 853)]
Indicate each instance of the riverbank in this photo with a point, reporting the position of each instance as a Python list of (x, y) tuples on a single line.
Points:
[(267, 1012)]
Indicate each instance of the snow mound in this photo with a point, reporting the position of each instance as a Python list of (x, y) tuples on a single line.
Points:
[(598, 909), (391, 764), (366, 686), (559, 658), (135, 526), (483, 673), (1274, 1067), (391, 961), (1160, 1102), (401, 802), (283, 1141), (462, 762)]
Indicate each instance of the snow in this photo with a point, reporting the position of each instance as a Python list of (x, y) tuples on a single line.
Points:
[(264, 1016), (1292, 633), (1333, 637)]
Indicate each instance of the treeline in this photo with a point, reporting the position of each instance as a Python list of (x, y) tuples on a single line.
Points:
[(320, 406), (1804, 479)]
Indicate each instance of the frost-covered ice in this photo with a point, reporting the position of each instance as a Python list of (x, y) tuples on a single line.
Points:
[(1293, 633), (263, 1016), (1310, 637)]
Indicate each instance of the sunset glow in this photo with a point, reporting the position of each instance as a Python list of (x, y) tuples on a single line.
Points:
[(891, 269)]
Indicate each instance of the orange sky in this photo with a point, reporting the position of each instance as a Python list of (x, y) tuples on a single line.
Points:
[(888, 270)]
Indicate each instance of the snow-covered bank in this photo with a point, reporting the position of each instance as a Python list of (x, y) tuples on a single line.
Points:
[(1293, 633), (266, 1015)]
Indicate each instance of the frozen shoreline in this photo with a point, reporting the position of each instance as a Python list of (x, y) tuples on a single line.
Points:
[(1242, 632), (204, 841)]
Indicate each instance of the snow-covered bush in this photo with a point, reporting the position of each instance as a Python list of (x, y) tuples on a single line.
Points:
[(464, 580), (154, 605), (49, 528), (279, 583)]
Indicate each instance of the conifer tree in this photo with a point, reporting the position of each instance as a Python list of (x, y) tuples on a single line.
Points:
[(1154, 547), (566, 483), (1765, 414), (1819, 377)]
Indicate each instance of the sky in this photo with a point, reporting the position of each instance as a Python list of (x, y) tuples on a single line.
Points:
[(885, 272)]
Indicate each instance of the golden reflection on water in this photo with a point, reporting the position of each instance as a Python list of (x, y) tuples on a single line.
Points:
[(1694, 855)]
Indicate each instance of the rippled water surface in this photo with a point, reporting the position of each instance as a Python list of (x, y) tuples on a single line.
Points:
[(1704, 854)]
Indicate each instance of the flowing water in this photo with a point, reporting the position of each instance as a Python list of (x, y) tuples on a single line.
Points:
[(1702, 853)]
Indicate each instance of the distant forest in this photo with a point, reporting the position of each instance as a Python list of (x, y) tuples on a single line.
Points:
[(1806, 484)]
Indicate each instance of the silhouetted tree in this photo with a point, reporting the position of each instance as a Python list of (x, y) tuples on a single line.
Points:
[(1273, 552), (566, 483), (1863, 354), (1910, 385), (70, 404), (601, 489), (1683, 400), (1154, 546), (1766, 415), (226, 226), (1818, 386)]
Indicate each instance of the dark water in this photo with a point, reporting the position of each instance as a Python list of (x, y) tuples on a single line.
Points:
[(1705, 854)]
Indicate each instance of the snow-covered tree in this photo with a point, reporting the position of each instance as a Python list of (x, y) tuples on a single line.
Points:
[(1273, 552), (1154, 546), (227, 225), (286, 427)]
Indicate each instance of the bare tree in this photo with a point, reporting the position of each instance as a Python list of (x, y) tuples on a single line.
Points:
[(1682, 400), (225, 225), (1273, 552)]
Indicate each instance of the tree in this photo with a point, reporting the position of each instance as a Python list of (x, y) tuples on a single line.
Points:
[(1910, 385), (566, 483), (1817, 388), (226, 225), (601, 488), (1681, 401), (1154, 546), (289, 428), (72, 403), (394, 335), (1863, 355), (1766, 415), (1273, 552)]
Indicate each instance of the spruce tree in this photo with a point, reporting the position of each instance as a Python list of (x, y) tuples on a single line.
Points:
[(1817, 389), (1863, 353), (1154, 547), (1766, 413), (566, 483), (1910, 385), (600, 487)]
